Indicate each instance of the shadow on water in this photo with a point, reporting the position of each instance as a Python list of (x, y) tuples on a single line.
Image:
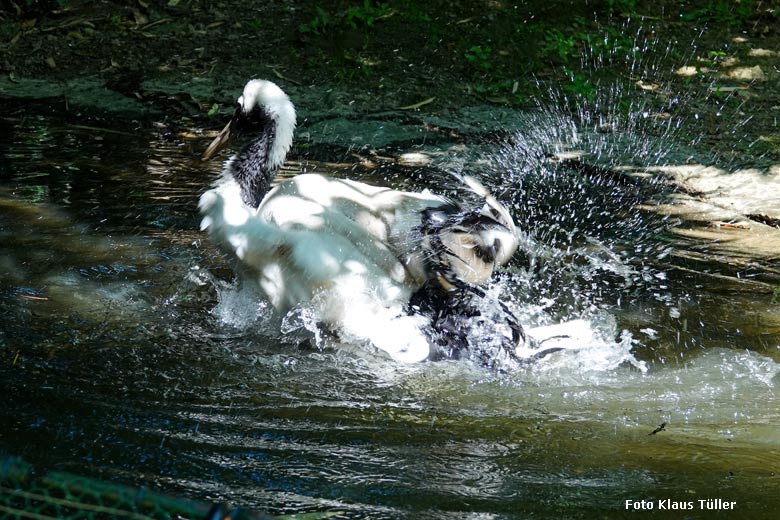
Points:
[(113, 364)]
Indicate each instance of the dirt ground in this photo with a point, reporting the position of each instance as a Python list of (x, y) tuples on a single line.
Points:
[(431, 56)]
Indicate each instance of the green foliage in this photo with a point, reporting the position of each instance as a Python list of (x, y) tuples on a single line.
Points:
[(318, 25), (479, 57), (412, 12), (621, 7), (256, 24), (613, 40), (365, 15), (353, 62), (712, 57), (563, 47), (728, 12), (578, 85), (556, 43)]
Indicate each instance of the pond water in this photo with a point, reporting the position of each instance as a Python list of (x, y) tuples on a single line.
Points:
[(127, 353)]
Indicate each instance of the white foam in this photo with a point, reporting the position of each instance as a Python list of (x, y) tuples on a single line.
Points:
[(364, 321), (240, 308)]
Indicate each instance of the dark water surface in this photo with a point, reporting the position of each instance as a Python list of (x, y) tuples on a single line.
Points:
[(127, 355)]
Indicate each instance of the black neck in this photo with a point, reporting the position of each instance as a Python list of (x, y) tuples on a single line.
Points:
[(250, 167)]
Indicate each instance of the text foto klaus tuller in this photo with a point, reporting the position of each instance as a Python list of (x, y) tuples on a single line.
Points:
[(711, 504)]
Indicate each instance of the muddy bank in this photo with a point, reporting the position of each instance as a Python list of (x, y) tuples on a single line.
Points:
[(342, 57)]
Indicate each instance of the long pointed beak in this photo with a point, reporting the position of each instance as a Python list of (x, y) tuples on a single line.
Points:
[(219, 142)]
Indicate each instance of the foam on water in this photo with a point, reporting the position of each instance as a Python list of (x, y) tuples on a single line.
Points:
[(718, 387), (590, 341), (721, 395), (240, 309)]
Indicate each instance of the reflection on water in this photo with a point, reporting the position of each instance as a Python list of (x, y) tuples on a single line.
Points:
[(118, 360)]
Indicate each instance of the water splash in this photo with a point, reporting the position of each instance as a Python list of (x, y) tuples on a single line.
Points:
[(239, 308), (583, 172)]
